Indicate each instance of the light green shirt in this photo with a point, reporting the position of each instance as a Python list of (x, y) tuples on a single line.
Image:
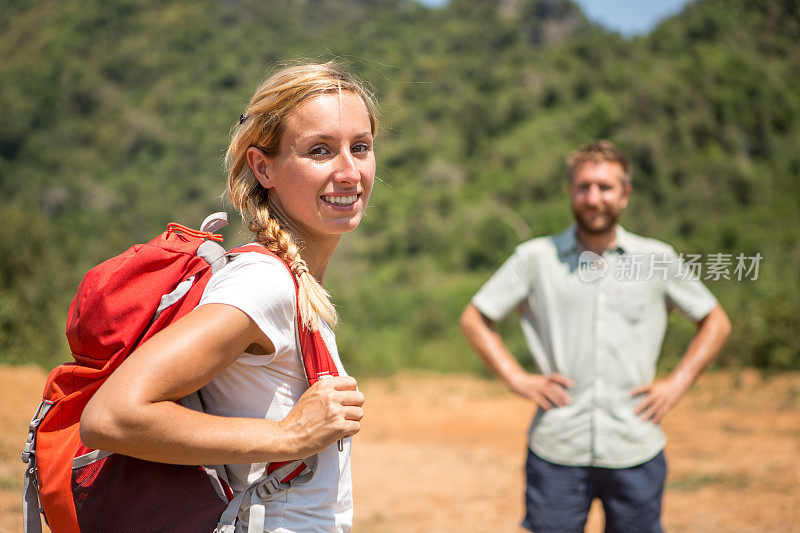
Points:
[(601, 322)]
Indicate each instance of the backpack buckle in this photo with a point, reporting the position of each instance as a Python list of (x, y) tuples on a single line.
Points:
[(270, 486), (30, 441)]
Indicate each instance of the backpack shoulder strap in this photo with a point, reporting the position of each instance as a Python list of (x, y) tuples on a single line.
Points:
[(31, 506)]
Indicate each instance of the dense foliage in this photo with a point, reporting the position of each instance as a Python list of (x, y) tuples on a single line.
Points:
[(114, 117)]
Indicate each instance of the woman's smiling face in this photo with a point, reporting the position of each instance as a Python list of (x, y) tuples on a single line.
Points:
[(323, 174)]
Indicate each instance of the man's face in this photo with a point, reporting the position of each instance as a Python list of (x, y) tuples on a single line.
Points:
[(599, 195)]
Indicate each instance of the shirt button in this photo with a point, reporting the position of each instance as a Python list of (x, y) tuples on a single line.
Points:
[(600, 324), (599, 382), (601, 297)]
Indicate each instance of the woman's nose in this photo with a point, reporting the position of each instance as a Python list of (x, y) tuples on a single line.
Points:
[(347, 168)]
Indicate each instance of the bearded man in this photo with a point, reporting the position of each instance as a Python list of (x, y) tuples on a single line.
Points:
[(593, 303)]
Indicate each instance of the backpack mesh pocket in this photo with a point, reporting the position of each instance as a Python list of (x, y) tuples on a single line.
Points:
[(120, 493)]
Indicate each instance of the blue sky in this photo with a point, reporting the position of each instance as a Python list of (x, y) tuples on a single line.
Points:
[(629, 17)]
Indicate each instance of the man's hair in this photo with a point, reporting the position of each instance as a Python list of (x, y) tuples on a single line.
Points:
[(598, 151)]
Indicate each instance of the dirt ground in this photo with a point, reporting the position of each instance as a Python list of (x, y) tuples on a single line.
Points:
[(444, 453)]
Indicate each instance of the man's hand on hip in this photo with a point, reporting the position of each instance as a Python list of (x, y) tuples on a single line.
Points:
[(547, 391), (660, 396)]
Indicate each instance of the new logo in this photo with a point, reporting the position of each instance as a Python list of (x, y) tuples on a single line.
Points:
[(591, 267)]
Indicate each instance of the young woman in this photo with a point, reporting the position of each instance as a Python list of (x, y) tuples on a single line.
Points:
[(301, 167)]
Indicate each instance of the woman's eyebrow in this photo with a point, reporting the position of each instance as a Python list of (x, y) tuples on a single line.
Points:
[(329, 137), (323, 136)]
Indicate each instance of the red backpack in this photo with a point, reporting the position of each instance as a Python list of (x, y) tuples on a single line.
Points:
[(120, 304)]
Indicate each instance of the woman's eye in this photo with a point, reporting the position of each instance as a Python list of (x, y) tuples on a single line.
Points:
[(361, 147), (319, 150)]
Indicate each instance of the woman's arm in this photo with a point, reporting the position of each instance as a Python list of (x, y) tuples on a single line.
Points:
[(134, 412)]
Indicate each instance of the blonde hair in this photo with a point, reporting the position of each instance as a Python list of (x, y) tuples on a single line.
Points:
[(596, 152), (262, 126)]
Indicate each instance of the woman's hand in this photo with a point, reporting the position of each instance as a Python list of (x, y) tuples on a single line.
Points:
[(328, 411)]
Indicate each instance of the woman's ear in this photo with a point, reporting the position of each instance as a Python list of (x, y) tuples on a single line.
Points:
[(259, 164)]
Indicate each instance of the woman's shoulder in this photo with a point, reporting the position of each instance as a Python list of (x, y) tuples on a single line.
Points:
[(260, 286), (256, 276), (259, 268), (257, 261)]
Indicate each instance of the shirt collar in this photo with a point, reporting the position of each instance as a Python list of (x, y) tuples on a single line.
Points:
[(623, 244), (567, 242)]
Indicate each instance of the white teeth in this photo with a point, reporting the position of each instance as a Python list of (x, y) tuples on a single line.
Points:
[(341, 200)]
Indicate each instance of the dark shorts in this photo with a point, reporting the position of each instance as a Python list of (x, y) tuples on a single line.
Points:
[(558, 497)]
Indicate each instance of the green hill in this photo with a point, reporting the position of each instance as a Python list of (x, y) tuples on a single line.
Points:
[(114, 117)]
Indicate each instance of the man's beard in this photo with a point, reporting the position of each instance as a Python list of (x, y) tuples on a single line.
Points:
[(609, 220)]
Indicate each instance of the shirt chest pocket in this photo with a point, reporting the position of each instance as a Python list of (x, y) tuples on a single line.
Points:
[(628, 301)]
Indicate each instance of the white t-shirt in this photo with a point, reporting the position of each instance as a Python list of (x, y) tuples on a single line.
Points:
[(268, 386)]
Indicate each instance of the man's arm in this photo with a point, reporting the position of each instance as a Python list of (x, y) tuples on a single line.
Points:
[(662, 395), (546, 391)]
